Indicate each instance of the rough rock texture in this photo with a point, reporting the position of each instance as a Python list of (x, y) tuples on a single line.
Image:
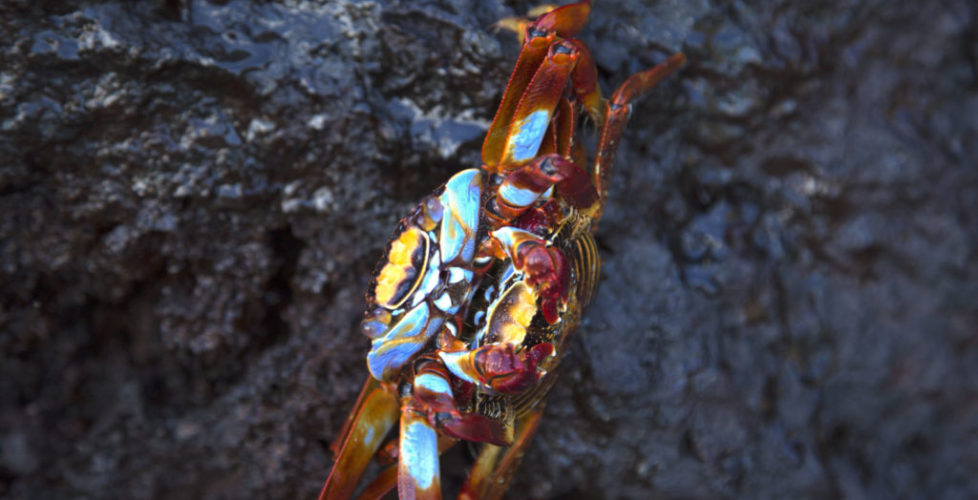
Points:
[(193, 195)]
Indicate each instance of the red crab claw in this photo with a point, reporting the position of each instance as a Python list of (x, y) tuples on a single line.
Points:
[(546, 267), (524, 186), (540, 220), (509, 372), (498, 366), (548, 272)]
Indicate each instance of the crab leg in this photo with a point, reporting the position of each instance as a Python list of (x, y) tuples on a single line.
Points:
[(427, 411), (564, 122), (616, 117), (387, 479), (534, 52), (372, 418), (418, 475), (532, 116), (431, 407), (490, 475), (537, 85), (381, 485), (567, 21), (566, 60)]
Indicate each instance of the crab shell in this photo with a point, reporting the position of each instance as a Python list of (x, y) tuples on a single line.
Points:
[(426, 275)]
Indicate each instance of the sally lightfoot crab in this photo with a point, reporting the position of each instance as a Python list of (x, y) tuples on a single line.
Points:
[(471, 306)]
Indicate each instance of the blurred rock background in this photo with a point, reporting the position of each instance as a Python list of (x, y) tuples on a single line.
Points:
[(193, 194)]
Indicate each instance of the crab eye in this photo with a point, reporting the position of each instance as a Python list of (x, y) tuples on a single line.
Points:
[(430, 214), (562, 49), (548, 168), (375, 322)]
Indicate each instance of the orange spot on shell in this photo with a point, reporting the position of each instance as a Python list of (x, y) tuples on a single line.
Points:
[(406, 262)]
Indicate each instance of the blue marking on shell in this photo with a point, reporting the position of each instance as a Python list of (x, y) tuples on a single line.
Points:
[(419, 451), (517, 197), (462, 201), (433, 383), (529, 134), (457, 274), (444, 302), (458, 289), (391, 351)]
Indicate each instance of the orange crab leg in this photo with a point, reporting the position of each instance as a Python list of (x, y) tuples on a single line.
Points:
[(428, 411), (372, 418), (381, 485), (536, 108), (418, 475), (533, 53), (532, 115), (537, 84), (585, 82), (490, 475), (386, 481), (617, 113)]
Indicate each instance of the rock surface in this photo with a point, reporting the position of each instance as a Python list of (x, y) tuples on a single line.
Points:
[(194, 194)]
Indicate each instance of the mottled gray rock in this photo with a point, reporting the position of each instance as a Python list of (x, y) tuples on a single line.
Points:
[(194, 195)]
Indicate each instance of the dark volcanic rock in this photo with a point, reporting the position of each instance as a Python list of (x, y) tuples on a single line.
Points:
[(194, 194)]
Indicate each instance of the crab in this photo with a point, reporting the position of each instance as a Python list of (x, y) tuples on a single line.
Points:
[(481, 285)]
